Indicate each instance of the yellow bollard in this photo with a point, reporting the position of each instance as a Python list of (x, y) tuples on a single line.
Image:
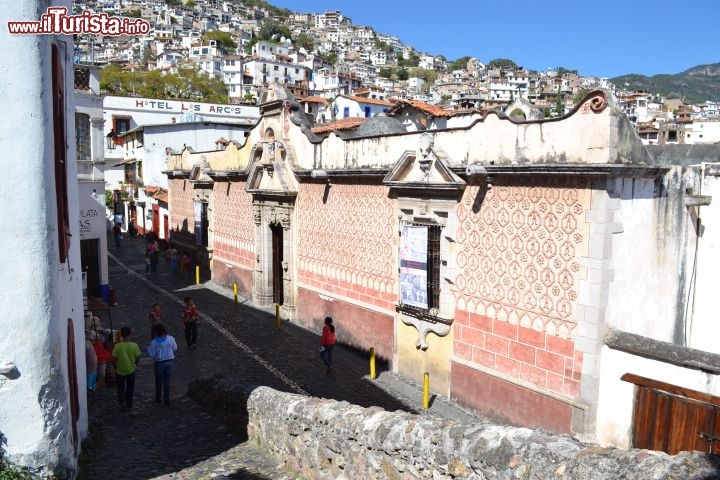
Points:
[(426, 390), (372, 363), (277, 315), (197, 275), (235, 291)]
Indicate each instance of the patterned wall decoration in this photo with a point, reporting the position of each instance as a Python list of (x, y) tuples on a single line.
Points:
[(182, 213), (232, 224), (520, 249), (351, 237)]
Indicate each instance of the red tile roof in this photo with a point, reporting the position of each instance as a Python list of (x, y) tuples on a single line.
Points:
[(425, 107), (314, 99), (343, 124), (373, 101)]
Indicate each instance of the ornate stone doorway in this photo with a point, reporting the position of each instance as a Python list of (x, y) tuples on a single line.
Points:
[(277, 263)]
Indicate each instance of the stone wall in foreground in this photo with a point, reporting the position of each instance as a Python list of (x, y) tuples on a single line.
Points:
[(327, 439)]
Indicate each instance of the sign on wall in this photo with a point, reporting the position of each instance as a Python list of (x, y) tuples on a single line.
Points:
[(92, 216), (413, 266)]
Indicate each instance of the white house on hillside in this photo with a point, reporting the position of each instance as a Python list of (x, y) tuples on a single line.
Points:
[(352, 106)]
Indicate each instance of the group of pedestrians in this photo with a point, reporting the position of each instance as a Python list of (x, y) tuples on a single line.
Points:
[(126, 354)]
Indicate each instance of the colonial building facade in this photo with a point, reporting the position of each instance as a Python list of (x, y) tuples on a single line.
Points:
[(516, 262)]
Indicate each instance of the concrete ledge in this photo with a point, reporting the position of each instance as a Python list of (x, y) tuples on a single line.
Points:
[(663, 351)]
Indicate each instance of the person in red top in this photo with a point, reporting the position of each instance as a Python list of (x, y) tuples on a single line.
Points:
[(189, 321), (103, 358), (327, 342)]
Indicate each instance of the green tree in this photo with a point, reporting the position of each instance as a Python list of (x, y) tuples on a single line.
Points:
[(385, 72), (503, 63), (305, 41), (562, 71), (403, 74), (331, 58), (580, 94), (428, 75), (137, 13), (190, 4), (223, 39), (459, 64), (187, 84), (273, 30)]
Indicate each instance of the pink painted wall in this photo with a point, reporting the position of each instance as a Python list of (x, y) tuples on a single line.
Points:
[(520, 245), (347, 244), (182, 217), (233, 236)]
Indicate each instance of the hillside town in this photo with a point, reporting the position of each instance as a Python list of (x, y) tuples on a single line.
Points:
[(340, 70)]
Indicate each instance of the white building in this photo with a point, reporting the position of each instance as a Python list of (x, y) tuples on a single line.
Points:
[(43, 406), (703, 130), (346, 106), (123, 114), (90, 144)]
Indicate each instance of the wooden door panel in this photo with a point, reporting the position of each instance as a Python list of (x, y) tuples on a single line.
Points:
[(670, 418), (687, 419)]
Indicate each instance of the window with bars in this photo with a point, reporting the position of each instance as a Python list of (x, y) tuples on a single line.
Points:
[(416, 298)]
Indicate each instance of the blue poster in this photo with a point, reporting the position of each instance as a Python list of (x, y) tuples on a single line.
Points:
[(413, 266)]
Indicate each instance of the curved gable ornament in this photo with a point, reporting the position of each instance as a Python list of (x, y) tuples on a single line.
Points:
[(270, 172)]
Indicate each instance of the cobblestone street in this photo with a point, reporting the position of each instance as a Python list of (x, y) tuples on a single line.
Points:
[(240, 341)]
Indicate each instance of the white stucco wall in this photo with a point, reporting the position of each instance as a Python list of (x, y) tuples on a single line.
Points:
[(585, 137), (644, 255), (201, 137), (92, 222), (704, 327), (39, 294)]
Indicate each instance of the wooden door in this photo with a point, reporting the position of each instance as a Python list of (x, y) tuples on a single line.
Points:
[(166, 228), (90, 260), (156, 220), (672, 419), (277, 259)]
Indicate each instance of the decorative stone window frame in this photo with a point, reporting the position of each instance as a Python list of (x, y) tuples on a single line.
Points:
[(436, 320), (427, 191)]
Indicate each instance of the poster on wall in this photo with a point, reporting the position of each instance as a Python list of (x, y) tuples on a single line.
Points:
[(198, 224), (413, 266)]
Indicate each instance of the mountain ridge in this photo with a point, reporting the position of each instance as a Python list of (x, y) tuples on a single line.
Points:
[(695, 85)]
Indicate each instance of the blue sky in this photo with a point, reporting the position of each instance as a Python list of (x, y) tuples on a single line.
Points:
[(599, 38)]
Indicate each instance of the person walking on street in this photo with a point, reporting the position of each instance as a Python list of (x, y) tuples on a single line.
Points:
[(162, 349), (126, 356), (154, 318), (153, 252), (189, 321), (90, 366), (117, 233), (327, 343)]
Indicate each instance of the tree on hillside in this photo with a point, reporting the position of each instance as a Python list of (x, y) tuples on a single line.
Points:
[(385, 72), (503, 63), (562, 71), (187, 84), (403, 74), (273, 30), (223, 39), (459, 64), (305, 41), (428, 75)]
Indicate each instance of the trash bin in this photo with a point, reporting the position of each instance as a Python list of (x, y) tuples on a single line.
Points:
[(113, 297)]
